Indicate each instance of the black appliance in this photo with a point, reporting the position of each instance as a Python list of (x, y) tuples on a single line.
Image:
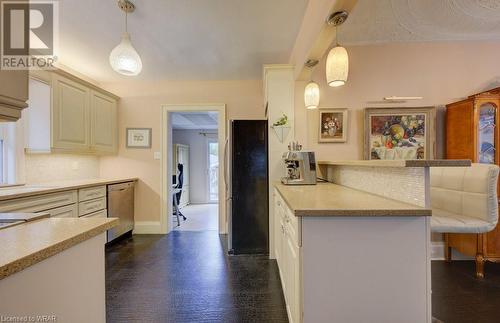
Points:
[(248, 187)]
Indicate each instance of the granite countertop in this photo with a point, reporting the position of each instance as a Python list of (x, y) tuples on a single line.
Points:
[(401, 163), (26, 244), (327, 199), (7, 193)]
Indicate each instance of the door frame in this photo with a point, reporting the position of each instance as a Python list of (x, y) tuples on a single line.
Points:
[(166, 221)]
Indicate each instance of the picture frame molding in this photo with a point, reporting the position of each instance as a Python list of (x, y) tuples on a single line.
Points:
[(345, 124), (150, 137), (430, 139)]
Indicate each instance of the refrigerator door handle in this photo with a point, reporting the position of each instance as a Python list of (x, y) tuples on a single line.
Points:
[(226, 171)]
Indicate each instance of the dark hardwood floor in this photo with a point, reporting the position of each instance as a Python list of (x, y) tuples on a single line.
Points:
[(459, 297), (187, 277)]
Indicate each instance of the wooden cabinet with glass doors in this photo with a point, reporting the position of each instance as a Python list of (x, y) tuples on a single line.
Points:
[(472, 133)]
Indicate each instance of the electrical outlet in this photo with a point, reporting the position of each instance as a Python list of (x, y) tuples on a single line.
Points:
[(75, 165), (157, 155)]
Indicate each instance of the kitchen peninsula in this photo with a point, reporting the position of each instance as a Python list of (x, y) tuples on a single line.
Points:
[(357, 249), (54, 267)]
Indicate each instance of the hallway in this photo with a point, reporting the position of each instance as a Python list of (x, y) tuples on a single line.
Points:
[(187, 277)]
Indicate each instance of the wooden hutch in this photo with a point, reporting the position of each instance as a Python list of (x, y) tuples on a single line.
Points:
[(472, 132)]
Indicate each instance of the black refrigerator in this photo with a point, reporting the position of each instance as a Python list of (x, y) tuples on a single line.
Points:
[(248, 187)]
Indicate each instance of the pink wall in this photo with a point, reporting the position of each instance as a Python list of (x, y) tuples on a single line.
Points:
[(140, 106), (440, 72)]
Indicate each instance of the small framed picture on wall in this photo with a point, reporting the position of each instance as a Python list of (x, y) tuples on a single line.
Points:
[(139, 137), (333, 125)]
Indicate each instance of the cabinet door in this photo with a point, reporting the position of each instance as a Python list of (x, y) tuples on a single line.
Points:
[(487, 140), (277, 228), (70, 115), (68, 211), (103, 114), (292, 280)]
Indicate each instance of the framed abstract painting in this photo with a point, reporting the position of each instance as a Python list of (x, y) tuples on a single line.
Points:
[(333, 125), (399, 133)]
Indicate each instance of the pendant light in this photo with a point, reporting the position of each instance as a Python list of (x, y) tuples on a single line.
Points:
[(311, 92), (124, 59), (337, 61)]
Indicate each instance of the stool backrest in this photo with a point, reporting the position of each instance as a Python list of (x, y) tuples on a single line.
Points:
[(468, 191)]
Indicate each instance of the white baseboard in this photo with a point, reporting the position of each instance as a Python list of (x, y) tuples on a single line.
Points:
[(147, 227), (437, 252)]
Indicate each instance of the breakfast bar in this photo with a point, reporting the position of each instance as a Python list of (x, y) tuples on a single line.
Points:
[(357, 248), (53, 269)]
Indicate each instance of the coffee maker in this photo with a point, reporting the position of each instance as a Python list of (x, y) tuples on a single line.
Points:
[(300, 168)]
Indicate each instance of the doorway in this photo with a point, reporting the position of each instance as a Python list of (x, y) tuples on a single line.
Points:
[(193, 137)]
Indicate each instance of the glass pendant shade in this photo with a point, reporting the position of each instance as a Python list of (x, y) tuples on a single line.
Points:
[(337, 66), (124, 59), (311, 95)]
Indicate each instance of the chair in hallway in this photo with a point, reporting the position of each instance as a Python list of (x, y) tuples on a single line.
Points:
[(465, 206), (177, 193)]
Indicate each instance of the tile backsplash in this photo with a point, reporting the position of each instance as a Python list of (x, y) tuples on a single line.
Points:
[(42, 168)]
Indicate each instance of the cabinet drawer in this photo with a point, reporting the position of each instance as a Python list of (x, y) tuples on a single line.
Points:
[(68, 211), (91, 193), (98, 214), (91, 206), (292, 223), (39, 203)]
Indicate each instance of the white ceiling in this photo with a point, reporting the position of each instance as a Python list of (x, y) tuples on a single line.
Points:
[(378, 21), (195, 120), (181, 39)]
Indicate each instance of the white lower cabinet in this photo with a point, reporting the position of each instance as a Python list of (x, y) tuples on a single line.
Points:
[(98, 214), (89, 201), (288, 256), (68, 211)]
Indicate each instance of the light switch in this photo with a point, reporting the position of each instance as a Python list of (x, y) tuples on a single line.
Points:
[(75, 165), (157, 155)]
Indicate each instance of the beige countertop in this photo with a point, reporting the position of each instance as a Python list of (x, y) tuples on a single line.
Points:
[(26, 244), (326, 199), (401, 163), (7, 193)]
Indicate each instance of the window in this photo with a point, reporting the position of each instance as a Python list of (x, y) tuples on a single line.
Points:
[(213, 171)]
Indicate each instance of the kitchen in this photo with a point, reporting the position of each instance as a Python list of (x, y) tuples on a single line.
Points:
[(76, 130)]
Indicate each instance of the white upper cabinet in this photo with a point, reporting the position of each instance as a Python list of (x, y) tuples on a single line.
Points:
[(103, 114), (68, 115)]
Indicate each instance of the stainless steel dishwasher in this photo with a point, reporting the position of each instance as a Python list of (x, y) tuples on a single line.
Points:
[(121, 205)]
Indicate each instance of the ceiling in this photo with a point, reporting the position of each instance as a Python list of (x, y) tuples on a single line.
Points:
[(195, 120), (181, 39), (383, 21)]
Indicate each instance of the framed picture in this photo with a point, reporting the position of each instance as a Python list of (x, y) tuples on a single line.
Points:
[(399, 133), (333, 125), (139, 137)]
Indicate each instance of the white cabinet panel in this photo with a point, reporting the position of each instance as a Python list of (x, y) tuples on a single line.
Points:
[(90, 193), (98, 214), (288, 252), (91, 206), (70, 114), (39, 203), (68, 211), (103, 123)]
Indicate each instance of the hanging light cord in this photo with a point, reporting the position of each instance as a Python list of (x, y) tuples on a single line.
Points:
[(126, 21)]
